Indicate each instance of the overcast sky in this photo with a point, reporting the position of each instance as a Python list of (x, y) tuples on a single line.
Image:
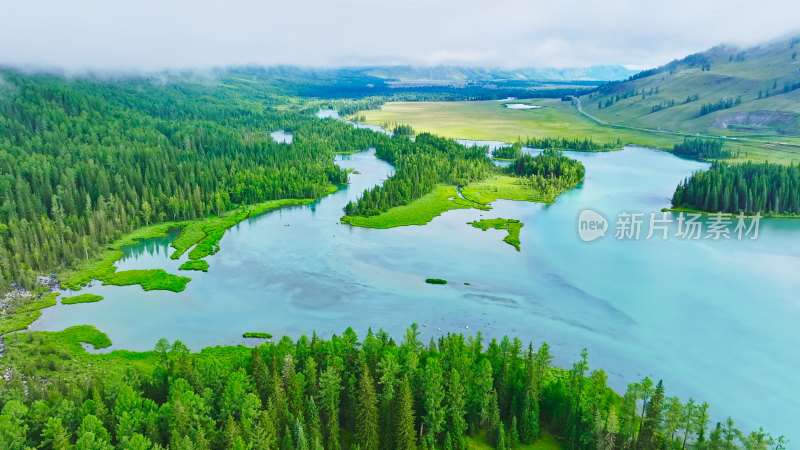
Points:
[(156, 34)]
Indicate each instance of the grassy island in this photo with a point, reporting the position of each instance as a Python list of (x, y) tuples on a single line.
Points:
[(417, 212), (153, 279), (83, 298), (199, 264), (257, 335), (511, 225)]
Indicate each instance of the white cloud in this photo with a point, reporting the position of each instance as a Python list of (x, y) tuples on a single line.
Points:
[(155, 34)]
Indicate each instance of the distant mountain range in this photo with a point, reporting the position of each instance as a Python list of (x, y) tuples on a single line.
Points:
[(464, 74)]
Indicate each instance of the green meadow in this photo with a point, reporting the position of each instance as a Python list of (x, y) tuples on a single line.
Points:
[(418, 212), (511, 225), (82, 298), (491, 120)]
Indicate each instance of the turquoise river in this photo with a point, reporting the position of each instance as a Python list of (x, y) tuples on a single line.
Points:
[(716, 320)]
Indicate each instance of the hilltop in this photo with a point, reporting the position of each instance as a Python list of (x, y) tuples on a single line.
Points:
[(725, 90)]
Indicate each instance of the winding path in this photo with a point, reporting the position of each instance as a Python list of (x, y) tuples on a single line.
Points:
[(677, 133)]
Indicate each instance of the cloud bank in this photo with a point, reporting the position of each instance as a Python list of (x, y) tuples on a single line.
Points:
[(159, 34)]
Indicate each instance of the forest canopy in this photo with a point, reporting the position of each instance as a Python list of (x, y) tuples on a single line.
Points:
[(314, 393), (748, 187), (83, 161)]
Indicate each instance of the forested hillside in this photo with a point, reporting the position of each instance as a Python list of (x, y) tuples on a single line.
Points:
[(83, 161), (749, 188), (420, 165), (337, 393), (725, 90)]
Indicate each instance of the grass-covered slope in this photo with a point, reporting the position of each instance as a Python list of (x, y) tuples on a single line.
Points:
[(764, 79)]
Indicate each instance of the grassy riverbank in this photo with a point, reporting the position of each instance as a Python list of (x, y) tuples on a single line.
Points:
[(206, 233), (153, 279), (27, 312), (733, 216), (511, 225), (83, 298), (418, 212), (504, 187), (445, 197)]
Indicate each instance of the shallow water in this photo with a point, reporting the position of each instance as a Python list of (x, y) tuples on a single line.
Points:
[(522, 106), (716, 320), (282, 137)]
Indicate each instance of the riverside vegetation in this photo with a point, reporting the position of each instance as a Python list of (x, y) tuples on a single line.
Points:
[(511, 225), (453, 393), (199, 158), (430, 169), (771, 189)]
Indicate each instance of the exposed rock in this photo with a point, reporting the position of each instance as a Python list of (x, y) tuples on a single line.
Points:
[(50, 281), (755, 119)]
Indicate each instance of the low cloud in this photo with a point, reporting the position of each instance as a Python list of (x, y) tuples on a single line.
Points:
[(159, 34)]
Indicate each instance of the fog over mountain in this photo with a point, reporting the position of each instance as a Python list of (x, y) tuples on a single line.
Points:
[(153, 34)]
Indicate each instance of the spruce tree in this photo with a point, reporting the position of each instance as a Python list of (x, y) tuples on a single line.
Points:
[(405, 434), (652, 418), (433, 397), (366, 413), (501, 438), (456, 407), (513, 435)]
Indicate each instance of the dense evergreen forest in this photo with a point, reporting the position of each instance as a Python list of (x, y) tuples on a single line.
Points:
[(574, 144), (549, 170), (513, 151), (430, 160), (337, 393), (749, 187), (85, 160), (420, 165), (702, 149)]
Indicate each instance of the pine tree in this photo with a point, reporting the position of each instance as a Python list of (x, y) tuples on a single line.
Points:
[(501, 438), (456, 406), (513, 436), (367, 414), (448, 442), (433, 397), (405, 434), (330, 385), (261, 375), (652, 418), (55, 435)]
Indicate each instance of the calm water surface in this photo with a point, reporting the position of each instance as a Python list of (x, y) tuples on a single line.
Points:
[(717, 320)]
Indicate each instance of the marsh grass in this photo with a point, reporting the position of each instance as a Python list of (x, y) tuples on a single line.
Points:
[(511, 225), (418, 212), (153, 279), (199, 264), (83, 298), (26, 312)]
